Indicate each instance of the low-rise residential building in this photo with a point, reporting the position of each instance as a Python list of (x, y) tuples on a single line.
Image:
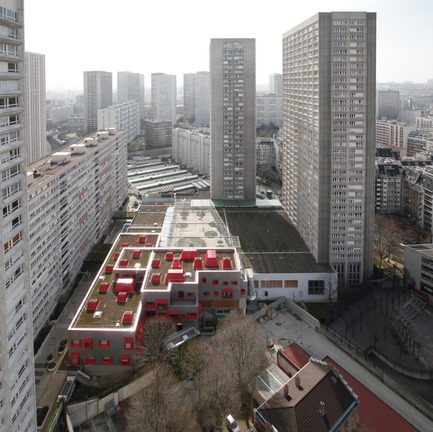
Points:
[(72, 195), (418, 143), (389, 181)]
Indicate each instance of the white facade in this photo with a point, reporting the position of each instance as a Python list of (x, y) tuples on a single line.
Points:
[(192, 148), (329, 70), (17, 382), (98, 93), (202, 99), (276, 84), (265, 153), (123, 116), (418, 264), (269, 110), (36, 118), (392, 134), (233, 119), (71, 199), (130, 86), (164, 97)]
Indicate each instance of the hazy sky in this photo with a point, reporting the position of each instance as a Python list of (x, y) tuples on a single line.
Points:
[(173, 36)]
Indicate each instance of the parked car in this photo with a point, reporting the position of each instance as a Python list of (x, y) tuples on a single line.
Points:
[(231, 424)]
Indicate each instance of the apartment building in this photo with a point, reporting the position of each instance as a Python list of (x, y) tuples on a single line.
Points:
[(189, 97), (72, 195), (269, 110), (36, 116), (122, 116), (17, 382), (98, 93), (276, 84), (393, 134), (265, 153), (202, 99), (388, 104), (157, 133), (419, 143), (191, 147), (164, 97), (233, 114), (130, 87), (389, 184), (329, 71)]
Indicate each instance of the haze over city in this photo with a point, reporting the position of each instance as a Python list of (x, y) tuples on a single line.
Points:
[(173, 37)]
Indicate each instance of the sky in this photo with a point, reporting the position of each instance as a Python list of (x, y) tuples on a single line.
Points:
[(173, 36)]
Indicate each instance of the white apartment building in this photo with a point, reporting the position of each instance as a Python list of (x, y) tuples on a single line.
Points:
[(122, 116), (269, 110), (276, 84), (393, 134), (192, 148), (98, 93), (72, 195), (36, 117), (202, 99), (265, 153), (164, 97), (17, 381), (233, 119), (130, 86), (329, 70)]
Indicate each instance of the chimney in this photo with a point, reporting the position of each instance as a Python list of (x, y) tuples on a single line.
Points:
[(322, 408), (298, 382)]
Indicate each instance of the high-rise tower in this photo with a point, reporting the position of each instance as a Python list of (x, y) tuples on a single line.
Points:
[(202, 102), (329, 72), (164, 97), (233, 119), (98, 93), (36, 118), (130, 86), (17, 384), (189, 96)]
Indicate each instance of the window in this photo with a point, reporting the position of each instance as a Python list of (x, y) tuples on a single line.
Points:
[(214, 282), (107, 360), (90, 360), (216, 294), (104, 343), (88, 343), (316, 287), (203, 280), (75, 343), (125, 359), (227, 293), (291, 284), (128, 343)]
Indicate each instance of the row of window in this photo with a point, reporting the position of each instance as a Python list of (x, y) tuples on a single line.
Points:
[(87, 343), (75, 360)]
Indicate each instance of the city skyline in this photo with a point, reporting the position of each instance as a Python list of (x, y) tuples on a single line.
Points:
[(95, 42)]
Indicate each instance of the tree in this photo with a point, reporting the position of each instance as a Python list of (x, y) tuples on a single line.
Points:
[(162, 406), (242, 345), (331, 285), (153, 341), (354, 424)]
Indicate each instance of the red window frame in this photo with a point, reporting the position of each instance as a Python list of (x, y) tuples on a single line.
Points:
[(128, 343), (104, 343), (90, 360), (107, 360), (76, 343), (88, 343), (125, 359)]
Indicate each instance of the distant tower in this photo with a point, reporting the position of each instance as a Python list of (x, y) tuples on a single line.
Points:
[(329, 138), (98, 93), (36, 118), (233, 119), (388, 104), (164, 97), (17, 376), (202, 99), (130, 87), (189, 96), (276, 84)]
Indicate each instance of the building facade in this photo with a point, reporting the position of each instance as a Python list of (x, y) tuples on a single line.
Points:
[(269, 110), (233, 119), (329, 138), (388, 104), (72, 195), (276, 84), (36, 116), (389, 183), (123, 116), (130, 87), (164, 97), (189, 97), (98, 93), (192, 148), (158, 133), (393, 134), (202, 99), (17, 382)]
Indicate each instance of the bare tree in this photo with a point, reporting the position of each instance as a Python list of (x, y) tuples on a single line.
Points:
[(156, 408), (354, 424), (153, 347), (220, 394), (242, 344), (386, 238), (331, 285)]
